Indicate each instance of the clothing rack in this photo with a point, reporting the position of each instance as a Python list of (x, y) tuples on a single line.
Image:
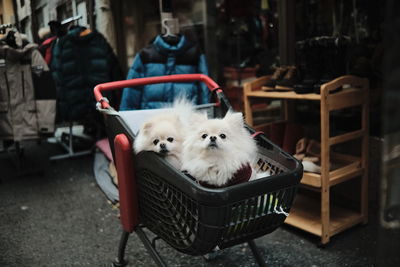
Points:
[(3, 27), (169, 24), (71, 19), (66, 140)]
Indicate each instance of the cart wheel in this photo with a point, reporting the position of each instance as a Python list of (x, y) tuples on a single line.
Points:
[(256, 253), (211, 256), (119, 264)]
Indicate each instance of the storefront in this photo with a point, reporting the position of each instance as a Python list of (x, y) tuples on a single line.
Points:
[(309, 74)]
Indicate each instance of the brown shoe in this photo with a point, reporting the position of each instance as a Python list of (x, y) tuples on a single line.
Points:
[(301, 146), (277, 75), (289, 80), (313, 149)]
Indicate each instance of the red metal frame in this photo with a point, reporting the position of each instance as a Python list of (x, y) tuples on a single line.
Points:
[(127, 187), (254, 135), (151, 80)]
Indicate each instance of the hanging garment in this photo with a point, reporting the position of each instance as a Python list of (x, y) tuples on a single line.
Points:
[(21, 115), (161, 58), (46, 49), (80, 62)]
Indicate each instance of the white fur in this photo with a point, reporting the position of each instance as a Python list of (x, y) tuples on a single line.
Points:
[(217, 164), (170, 124)]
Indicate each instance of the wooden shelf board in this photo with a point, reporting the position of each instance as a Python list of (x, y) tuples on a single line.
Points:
[(343, 157), (347, 98), (351, 168), (337, 176), (340, 99), (283, 95), (311, 179), (346, 137), (305, 215), (345, 173)]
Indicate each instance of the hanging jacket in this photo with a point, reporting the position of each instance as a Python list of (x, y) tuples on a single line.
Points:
[(46, 49), (18, 107), (79, 64), (159, 59)]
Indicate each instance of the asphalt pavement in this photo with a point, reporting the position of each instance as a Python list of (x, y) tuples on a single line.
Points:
[(54, 214)]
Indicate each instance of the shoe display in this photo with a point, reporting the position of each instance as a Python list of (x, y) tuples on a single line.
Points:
[(333, 60), (289, 79), (308, 151), (307, 53), (301, 146), (277, 75), (320, 60)]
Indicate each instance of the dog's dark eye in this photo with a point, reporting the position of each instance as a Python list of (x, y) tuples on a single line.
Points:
[(223, 136), (204, 136), (170, 139), (155, 142)]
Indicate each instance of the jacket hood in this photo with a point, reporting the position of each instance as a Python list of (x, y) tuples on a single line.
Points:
[(76, 37), (165, 48), (15, 54)]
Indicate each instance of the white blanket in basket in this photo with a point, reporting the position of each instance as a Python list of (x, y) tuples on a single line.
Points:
[(135, 118)]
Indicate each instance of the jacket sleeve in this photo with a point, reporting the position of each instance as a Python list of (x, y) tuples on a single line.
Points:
[(55, 62), (131, 97), (37, 60), (204, 92)]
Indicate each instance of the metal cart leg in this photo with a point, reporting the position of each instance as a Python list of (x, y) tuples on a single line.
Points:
[(146, 242), (256, 254), (120, 261)]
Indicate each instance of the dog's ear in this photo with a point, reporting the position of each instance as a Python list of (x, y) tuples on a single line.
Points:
[(235, 119), (197, 117), (147, 126)]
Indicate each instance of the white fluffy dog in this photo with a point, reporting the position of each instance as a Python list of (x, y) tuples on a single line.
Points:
[(164, 133), (217, 150)]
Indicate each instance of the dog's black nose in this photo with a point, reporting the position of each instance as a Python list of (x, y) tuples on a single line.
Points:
[(162, 145), (213, 138)]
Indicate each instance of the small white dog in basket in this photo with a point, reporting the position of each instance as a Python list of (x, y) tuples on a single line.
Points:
[(220, 152), (164, 133)]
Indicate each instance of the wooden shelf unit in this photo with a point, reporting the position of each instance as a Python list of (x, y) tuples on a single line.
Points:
[(321, 217), (306, 215)]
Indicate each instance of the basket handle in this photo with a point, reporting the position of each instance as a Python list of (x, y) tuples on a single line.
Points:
[(150, 80)]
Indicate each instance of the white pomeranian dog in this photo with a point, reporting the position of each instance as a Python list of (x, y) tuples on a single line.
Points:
[(164, 133), (219, 152)]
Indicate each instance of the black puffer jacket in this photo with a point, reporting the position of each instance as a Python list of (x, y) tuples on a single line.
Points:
[(79, 64)]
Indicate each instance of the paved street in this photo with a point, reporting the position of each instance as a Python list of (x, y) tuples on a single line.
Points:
[(59, 217)]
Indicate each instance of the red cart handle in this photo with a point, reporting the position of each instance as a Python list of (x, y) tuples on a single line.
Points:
[(151, 80)]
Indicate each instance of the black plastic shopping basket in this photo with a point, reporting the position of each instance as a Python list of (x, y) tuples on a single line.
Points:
[(191, 218)]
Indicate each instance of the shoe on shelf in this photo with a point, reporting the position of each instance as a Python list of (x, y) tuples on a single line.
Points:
[(308, 151), (308, 148), (301, 146), (277, 75), (309, 166), (309, 65), (313, 149), (289, 79), (333, 60)]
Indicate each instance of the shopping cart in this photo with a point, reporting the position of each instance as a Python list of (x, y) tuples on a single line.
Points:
[(189, 217)]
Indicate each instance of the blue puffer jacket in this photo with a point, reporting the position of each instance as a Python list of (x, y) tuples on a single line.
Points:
[(159, 59)]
